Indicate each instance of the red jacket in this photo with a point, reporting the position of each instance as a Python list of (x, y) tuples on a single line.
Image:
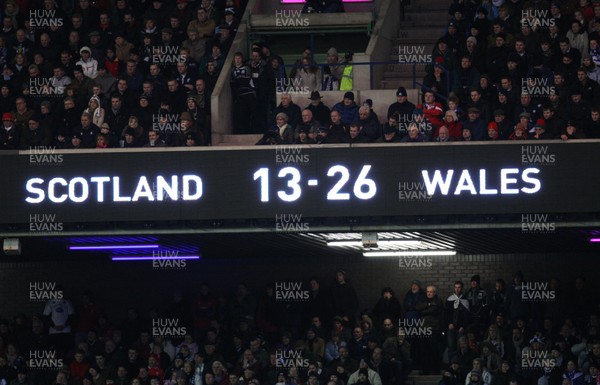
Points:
[(156, 372), (454, 130), (433, 113), (78, 370), (112, 66)]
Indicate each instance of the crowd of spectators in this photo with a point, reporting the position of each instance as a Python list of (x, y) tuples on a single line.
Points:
[(347, 122), (257, 81), (123, 73), (314, 333), (503, 70), (524, 69), (141, 73)]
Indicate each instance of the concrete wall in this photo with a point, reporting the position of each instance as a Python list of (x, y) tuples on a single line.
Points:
[(382, 39), (381, 99), (221, 96)]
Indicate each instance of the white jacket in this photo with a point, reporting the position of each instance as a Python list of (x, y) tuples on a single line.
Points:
[(373, 377)]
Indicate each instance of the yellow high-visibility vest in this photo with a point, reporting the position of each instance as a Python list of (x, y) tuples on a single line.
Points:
[(346, 83)]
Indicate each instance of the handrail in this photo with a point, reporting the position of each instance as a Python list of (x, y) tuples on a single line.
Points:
[(444, 97), (423, 86), (370, 64)]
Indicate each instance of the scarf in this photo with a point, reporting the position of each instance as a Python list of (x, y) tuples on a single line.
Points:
[(458, 301)]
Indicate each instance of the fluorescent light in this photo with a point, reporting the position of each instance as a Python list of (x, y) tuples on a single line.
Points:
[(152, 258), (415, 253), (381, 242), (344, 243), (594, 239), (113, 247)]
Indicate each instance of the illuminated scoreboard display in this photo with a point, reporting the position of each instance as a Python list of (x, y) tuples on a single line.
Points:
[(327, 182)]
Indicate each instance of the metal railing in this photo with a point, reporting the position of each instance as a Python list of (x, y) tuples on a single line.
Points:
[(438, 95), (322, 66), (415, 83)]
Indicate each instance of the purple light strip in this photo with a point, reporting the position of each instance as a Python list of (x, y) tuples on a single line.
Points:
[(151, 258), (594, 239), (114, 247)]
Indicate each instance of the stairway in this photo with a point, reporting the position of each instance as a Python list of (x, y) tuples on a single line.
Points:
[(415, 379), (423, 24)]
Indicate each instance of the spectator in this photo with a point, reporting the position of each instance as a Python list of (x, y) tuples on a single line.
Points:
[(387, 306), (333, 72), (497, 57), (332, 348), (503, 103), (285, 130), (337, 131), (308, 76), (231, 18), (477, 297), (60, 80), (442, 55), (528, 108), (36, 135), (504, 127), (343, 298), (467, 76), (590, 88), (454, 106), (364, 376), (303, 136), (204, 26), (319, 110), (9, 134), (402, 108), (453, 126), (520, 132), (347, 108), (475, 124), (288, 107), (578, 38), (96, 111), (355, 134), (457, 313), (357, 346), (87, 62), (369, 125), (539, 132), (571, 132), (437, 81), (308, 123), (430, 310), (264, 84), (390, 135), (397, 351), (578, 109), (21, 114), (443, 135), (432, 112)]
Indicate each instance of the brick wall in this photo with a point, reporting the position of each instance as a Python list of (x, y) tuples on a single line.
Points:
[(119, 285)]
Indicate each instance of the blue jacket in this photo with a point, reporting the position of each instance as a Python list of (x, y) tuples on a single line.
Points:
[(478, 129), (349, 113)]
